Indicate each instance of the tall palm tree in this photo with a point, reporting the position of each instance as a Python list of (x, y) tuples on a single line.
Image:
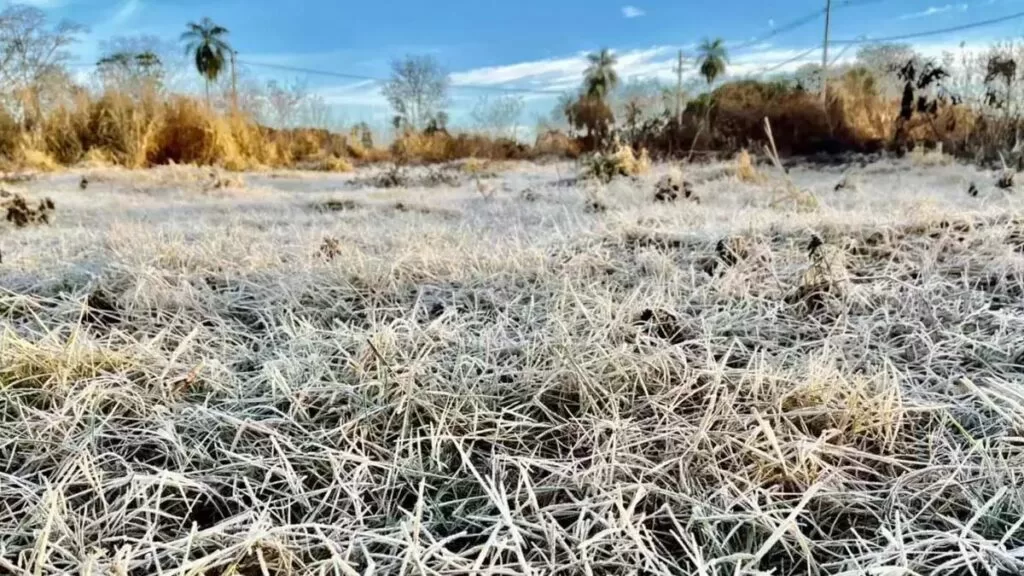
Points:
[(206, 43), (712, 58), (600, 77)]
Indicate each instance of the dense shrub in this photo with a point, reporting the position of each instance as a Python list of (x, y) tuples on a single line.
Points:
[(440, 146), (10, 137), (191, 134), (141, 129), (554, 143)]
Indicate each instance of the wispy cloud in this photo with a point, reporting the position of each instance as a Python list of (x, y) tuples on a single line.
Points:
[(125, 12), (935, 11), (362, 93), (565, 70), (362, 100), (632, 12), (43, 4), (654, 63)]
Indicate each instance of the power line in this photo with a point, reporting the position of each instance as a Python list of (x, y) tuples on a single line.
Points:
[(310, 71), (865, 40), (792, 25), (803, 21), (796, 23), (775, 66), (799, 56), (936, 32), (854, 3), (845, 49)]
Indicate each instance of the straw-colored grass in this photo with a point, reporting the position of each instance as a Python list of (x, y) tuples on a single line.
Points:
[(269, 385), (745, 169)]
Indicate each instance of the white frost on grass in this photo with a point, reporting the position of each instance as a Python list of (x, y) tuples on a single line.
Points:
[(469, 385)]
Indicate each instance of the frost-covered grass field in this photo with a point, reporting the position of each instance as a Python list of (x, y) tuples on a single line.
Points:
[(495, 378)]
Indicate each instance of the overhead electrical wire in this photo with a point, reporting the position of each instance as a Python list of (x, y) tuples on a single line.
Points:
[(787, 27), (935, 32), (347, 76), (863, 39)]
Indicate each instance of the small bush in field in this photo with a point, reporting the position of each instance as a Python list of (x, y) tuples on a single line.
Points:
[(745, 169), (826, 275), (21, 213), (1005, 181), (333, 164), (393, 177), (556, 144), (605, 167), (672, 186), (330, 248), (441, 177)]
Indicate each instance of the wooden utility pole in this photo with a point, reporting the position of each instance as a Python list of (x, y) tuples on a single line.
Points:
[(234, 83), (679, 90), (824, 53)]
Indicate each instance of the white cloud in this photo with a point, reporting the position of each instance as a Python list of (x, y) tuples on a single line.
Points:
[(532, 72), (935, 10), (43, 4), (125, 12), (566, 72), (658, 62), (362, 93), (362, 100), (632, 11), (771, 23)]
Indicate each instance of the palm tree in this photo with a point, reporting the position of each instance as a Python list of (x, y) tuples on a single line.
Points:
[(205, 42), (712, 57), (600, 77)]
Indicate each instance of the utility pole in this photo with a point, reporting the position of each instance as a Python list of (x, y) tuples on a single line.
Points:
[(234, 83), (824, 54), (679, 90)]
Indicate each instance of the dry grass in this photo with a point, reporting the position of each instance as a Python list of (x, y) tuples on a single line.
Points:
[(265, 386), (333, 164), (37, 160), (927, 158), (745, 170), (623, 161), (142, 130)]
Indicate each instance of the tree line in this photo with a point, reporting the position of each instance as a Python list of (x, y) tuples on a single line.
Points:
[(36, 58)]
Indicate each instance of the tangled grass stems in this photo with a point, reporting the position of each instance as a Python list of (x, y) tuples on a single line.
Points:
[(523, 389)]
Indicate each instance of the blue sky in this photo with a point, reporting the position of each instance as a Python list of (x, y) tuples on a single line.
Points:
[(522, 43)]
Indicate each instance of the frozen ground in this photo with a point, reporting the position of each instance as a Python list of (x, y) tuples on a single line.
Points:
[(495, 378)]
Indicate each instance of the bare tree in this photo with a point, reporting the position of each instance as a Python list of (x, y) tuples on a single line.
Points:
[(417, 91), (176, 73), (885, 57), (884, 61), (808, 76), (135, 73), (252, 99), (250, 89), (362, 133), (498, 117), (33, 58), (284, 102), (317, 113), (558, 117), (646, 99)]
